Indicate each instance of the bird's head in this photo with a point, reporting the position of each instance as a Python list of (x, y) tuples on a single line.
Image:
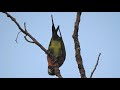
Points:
[(51, 70)]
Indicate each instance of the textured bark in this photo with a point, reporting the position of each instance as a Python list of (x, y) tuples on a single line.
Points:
[(77, 46)]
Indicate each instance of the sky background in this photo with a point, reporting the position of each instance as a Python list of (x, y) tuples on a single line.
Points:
[(99, 32)]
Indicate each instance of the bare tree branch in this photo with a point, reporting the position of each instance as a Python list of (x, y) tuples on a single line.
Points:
[(28, 40), (95, 66), (25, 26), (77, 46), (57, 71), (26, 35), (17, 37)]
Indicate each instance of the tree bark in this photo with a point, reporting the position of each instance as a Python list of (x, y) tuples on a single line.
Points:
[(77, 46)]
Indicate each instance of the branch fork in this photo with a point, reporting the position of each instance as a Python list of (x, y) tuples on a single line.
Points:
[(57, 71)]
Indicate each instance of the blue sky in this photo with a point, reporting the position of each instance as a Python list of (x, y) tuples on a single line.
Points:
[(99, 32)]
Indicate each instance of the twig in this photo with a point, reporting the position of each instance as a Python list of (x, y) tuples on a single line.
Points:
[(17, 37), (95, 66), (57, 71), (26, 35), (28, 40), (35, 41), (77, 47), (25, 26)]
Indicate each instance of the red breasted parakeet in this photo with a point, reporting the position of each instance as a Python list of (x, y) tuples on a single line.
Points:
[(57, 48)]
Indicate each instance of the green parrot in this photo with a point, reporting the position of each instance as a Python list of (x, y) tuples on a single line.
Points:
[(57, 48)]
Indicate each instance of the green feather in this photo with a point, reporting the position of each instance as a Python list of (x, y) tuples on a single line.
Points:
[(56, 46)]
